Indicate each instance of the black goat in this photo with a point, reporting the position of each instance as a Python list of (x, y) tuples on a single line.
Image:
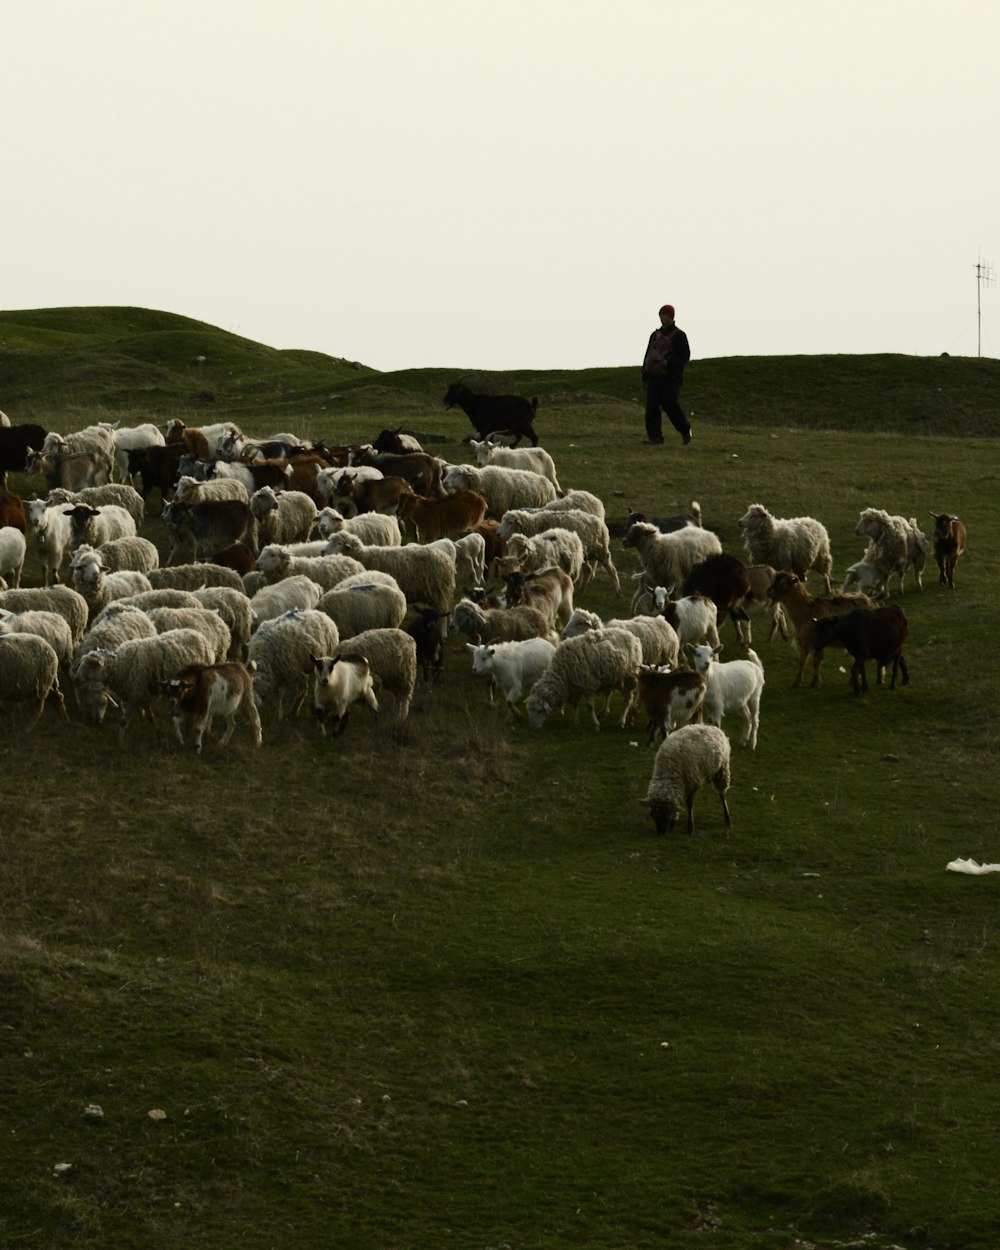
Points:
[(495, 414)]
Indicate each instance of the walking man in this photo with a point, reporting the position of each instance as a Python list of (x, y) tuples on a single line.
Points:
[(662, 374)]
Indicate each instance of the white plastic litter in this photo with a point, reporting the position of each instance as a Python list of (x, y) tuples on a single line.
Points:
[(971, 867)]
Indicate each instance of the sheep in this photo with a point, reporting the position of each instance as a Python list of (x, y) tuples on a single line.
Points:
[(158, 597), (447, 517), (798, 544), (98, 525), (93, 438), (13, 550), (425, 576), (193, 577), (488, 625), (392, 659), (894, 544), (117, 493), (280, 651), (583, 667), (667, 559), (537, 459), (868, 634), (48, 625), (29, 673), (866, 578), (495, 413), (133, 674), (201, 691), (559, 548), (206, 621), (191, 491), (693, 617), (514, 667), (803, 609), (135, 553), (118, 623), (669, 698), (502, 489), (70, 605), (51, 534), (590, 528), (281, 597), (691, 757), (577, 501), (375, 529), (286, 517), (735, 686), (338, 683), (550, 590), (667, 524), (327, 570), (99, 585), (234, 608), (949, 544), (130, 439), (656, 636), (361, 602)]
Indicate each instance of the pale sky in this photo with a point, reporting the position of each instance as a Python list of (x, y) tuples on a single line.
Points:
[(512, 184)]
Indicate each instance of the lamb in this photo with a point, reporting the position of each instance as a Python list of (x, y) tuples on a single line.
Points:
[(656, 636), (193, 577), (593, 663), (514, 667), (866, 578), (48, 625), (693, 617), (669, 698), (667, 559), (284, 596), (691, 757), (495, 413), (894, 545), (537, 459), (736, 686), (361, 602), (72, 607), (327, 570), (280, 650), (798, 544), (559, 548), (13, 549), (392, 660), (202, 691), (590, 528), (803, 609), (425, 576), (502, 489), (233, 607), (375, 529), (51, 534), (286, 517), (338, 683), (133, 674), (489, 625), (949, 544), (205, 620), (98, 525), (29, 673)]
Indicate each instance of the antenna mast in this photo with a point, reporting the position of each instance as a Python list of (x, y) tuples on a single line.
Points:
[(984, 277)]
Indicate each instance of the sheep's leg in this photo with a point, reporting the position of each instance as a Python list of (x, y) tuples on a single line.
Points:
[(721, 785), (609, 566), (591, 701)]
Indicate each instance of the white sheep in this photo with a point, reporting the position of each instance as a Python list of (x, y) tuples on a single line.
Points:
[(13, 549), (96, 526), (287, 516), (326, 570), (375, 529), (119, 622), (667, 559), (134, 672), (338, 683), (866, 579), (587, 525), (691, 757), (392, 658), (364, 601), (234, 608), (513, 667), (559, 547), (189, 490), (471, 557), (70, 605), (895, 544), (657, 637), (117, 493), (594, 663), (131, 438), (797, 544), (735, 686), (193, 577), (99, 586), (502, 489), (577, 501), (29, 673), (280, 651), (163, 597), (537, 459), (135, 553), (48, 625), (206, 621), (290, 593), (51, 533), (426, 577)]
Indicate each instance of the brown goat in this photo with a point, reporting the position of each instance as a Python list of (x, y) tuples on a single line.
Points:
[(448, 517), (803, 609), (949, 543)]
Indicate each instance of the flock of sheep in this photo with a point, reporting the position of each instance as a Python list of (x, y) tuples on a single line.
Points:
[(304, 595)]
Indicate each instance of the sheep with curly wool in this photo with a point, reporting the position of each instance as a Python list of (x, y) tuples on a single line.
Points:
[(895, 544), (29, 673), (207, 621), (375, 529), (279, 651), (48, 625), (392, 662), (96, 526), (733, 687), (99, 586), (577, 501), (193, 577), (557, 547), (64, 600), (667, 559), (797, 544), (285, 516), (691, 757), (118, 493), (119, 622), (593, 663), (656, 636), (866, 578), (290, 593), (326, 570), (590, 528), (489, 625), (134, 553), (537, 459), (233, 606), (190, 490), (425, 576), (364, 601), (502, 488)]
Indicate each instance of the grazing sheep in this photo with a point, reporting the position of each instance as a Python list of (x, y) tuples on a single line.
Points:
[(735, 686), (375, 529), (949, 544), (233, 607), (48, 625), (284, 596), (364, 601), (194, 577), (51, 534), (119, 622), (594, 663), (895, 544), (392, 659), (798, 544), (425, 576), (279, 654), (286, 517), (670, 697), (72, 607), (514, 667), (202, 691), (206, 621), (134, 553), (537, 459), (135, 671), (13, 549), (340, 681), (590, 528), (29, 673), (488, 625), (667, 559), (559, 548), (502, 489), (656, 636), (495, 413), (691, 757)]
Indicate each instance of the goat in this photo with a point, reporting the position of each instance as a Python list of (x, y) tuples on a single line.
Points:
[(495, 413), (949, 543), (868, 634), (803, 609)]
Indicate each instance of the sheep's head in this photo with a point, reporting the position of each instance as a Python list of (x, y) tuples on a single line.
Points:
[(663, 812)]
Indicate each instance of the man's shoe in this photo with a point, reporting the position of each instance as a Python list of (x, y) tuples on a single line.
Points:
[(652, 442), (687, 437)]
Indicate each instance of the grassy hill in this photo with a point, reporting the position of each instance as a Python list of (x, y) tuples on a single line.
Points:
[(441, 985)]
